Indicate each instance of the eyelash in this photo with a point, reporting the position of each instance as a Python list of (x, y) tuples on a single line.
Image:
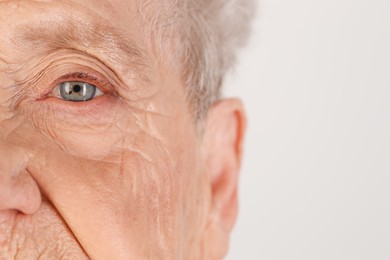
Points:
[(103, 85), (83, 77)]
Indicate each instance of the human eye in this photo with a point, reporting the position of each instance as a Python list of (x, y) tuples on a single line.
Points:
[(76, 91)]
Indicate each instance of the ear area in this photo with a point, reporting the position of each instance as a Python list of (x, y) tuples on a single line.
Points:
[(222, 148)]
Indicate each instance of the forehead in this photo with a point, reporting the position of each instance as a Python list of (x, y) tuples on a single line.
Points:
[(97, 6), (84, 12), (33, 28)]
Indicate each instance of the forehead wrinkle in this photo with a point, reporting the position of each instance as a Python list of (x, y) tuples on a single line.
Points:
[(74, 34)]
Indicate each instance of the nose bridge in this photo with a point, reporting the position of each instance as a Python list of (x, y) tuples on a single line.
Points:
[(13, 160), (8, 122), (18, 189), (12, 157)]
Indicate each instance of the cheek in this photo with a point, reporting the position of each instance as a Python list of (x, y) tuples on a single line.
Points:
[(91, 135), (145, 202), (125, 176), (128, 182)]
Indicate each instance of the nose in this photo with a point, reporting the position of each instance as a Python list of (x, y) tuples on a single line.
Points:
[(18, 190)]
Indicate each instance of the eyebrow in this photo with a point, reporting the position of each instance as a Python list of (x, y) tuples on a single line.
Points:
[(73, 34)]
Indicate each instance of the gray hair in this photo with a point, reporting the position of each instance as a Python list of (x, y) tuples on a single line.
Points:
[(205, 36)]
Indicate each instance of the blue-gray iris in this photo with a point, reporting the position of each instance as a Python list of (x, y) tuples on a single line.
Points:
[(77, 91)]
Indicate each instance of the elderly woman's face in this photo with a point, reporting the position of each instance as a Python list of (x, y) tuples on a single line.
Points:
[(99, 153)]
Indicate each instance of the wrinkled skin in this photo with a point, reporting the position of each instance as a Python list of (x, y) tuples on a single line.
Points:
[(126, 175)]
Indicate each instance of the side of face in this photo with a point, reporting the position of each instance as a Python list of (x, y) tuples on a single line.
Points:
[(124, 175)]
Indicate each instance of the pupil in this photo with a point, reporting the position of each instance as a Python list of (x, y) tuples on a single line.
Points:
[(76, 88)]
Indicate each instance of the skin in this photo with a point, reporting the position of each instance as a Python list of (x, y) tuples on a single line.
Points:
[(126, 175)]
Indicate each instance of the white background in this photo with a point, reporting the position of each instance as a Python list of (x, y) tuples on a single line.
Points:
[(315, 181)]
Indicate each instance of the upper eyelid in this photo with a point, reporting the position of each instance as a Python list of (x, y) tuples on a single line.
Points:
[(78, 75), (84, 66), (83, 77)]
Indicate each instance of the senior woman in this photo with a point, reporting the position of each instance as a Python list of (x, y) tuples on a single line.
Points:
[(114, 143)]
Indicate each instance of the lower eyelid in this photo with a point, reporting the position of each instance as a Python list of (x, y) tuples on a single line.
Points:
[(98, 104)]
